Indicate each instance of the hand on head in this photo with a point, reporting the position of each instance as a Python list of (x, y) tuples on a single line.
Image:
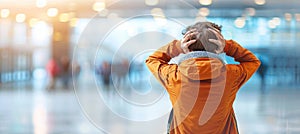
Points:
[(203, 36), (188, 40), (220, 41)]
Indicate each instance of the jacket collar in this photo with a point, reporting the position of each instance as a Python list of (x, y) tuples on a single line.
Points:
[(200, 54)]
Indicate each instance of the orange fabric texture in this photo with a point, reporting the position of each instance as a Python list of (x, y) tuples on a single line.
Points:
[(202, 90)]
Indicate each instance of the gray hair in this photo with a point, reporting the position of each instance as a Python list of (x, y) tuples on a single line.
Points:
[(202, 43)]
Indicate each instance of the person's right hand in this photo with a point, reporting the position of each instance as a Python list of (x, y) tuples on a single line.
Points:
[(188, 40), (220, 41)]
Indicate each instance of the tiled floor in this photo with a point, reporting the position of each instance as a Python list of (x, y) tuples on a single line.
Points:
[(36, 110)]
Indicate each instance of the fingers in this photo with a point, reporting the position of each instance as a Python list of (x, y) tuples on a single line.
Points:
[(185, 46), (185, 39), (220, 41), (188, 40), (189, 32), (213, 30), (189, 35), (214, 41), (218, 35)]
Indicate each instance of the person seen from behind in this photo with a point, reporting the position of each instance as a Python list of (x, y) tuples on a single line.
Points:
[(201, 86)]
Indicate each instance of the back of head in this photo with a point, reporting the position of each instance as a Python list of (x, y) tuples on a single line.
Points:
[(202, 43)]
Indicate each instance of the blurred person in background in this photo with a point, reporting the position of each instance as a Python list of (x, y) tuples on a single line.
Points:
[(75, 71), (53, 71), (65, 71), (262, 71), (202, 88), (119, 73), (105, 72)]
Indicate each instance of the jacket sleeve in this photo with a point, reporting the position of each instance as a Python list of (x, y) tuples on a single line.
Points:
[(248, 61), (158, 63)]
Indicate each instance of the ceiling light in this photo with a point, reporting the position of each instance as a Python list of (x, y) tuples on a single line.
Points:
[(240, 22), (297, 16), (41, 3), (99, 6), (151, 2), (33, 22), (250, 11), (260, 2), (157, 12), (203, 11), (205, 2), (276, 21), (288, 16), (64, 17), (52, 12), (73, 22), (5, 13), (271, 24), (20, 18)]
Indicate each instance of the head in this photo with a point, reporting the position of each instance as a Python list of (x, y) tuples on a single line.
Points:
[(202, 43)]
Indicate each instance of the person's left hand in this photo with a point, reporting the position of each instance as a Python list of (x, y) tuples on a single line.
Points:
[(220, 41), (188, 40)]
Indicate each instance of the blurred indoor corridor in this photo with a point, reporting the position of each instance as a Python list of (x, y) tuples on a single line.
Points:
[(35, 110), (78, 66)]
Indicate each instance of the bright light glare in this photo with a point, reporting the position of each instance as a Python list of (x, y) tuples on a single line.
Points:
[(39, 74), (151, 2), (42, 29), (41, 3), (64, 17), (260, 2), (251, 11), (41, 33), (20, 18), (277, 21), (5, 13), (297, 16), (99, 6), (52, 12), (240, 22), (203, 11), (205, 2), (39, 117), (288, 16), (33, 22), (271, 24), (73, 22)]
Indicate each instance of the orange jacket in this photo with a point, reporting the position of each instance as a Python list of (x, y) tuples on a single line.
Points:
[(202, 89)]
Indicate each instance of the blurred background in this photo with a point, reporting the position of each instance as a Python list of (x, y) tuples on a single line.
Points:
[(77, 66)]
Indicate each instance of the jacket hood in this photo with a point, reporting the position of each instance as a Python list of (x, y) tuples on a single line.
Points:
[(200, 65)]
